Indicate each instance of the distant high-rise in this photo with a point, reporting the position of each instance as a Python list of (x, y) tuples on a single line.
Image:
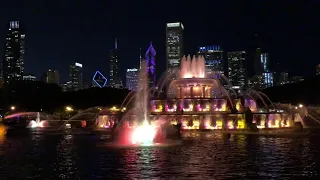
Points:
[(213, 56), (258, 67), (174, 45), (76, 82), (237, 69), (264, 59), (280, 78), (132, 79), (52, 76), (261, 62), (114, 71), (151, 64), (267, 79), (13, 62)]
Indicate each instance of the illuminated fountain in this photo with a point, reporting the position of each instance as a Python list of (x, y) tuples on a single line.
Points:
[(37, 123), (138, 130), (28, 119), (198, 100)]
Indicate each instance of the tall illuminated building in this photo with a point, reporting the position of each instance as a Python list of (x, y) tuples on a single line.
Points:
[(114, 70), (264, 60), (52, 76), (13, 62), (174, 45), (132, 79), (258, 66), (213, 56), (237, 69), (151, 64), (76, 82), (261, 63)]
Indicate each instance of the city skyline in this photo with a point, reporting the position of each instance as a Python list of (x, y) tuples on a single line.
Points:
[(55, 45)]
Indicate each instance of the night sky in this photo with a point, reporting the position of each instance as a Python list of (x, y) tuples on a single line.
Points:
[(62, 32)]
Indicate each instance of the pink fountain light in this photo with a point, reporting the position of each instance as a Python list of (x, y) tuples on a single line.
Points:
[(144, 134), (35, 124)]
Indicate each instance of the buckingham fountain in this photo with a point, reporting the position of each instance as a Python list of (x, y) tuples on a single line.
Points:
[(195, 100)]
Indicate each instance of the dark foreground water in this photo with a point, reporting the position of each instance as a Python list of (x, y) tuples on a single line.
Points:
[(200, 156)]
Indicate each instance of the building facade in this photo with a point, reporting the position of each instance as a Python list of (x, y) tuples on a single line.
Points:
[(237, 69), (267, 79), (213, 56), (75, 74), (258, 67), (52, 76), (280, 78), (132, 79), (13, 62), (151, 65), (174, 46), (114, 70)]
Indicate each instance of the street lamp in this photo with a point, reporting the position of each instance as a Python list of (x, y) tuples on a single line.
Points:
[(12, 108), (68, 108), (300, 105)]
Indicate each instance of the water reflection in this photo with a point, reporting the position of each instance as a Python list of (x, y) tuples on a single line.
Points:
[(200, 156), (65, 165), (2, 134)]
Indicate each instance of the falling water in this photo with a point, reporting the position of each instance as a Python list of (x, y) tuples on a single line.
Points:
[(141, 100), (194, 68), (38, 118)]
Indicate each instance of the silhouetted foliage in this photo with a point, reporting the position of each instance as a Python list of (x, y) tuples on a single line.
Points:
[(37, 95), (306, 92)]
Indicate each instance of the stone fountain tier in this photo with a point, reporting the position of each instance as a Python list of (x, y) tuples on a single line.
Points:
[(193, 87)]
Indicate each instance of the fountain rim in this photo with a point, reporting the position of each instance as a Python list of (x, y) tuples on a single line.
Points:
[(195, 80)]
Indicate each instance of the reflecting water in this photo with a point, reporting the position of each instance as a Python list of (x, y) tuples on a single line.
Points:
[(200, 156)]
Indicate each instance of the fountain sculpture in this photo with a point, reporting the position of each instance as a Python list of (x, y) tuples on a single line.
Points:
[(196, 100)]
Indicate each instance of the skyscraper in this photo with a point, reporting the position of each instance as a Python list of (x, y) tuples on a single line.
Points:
[(114, 71), (174, 45), (264, 60), (52, 76), (213, 56), (237, 69), (13, 62), (151, 65), (258, 67), (132, 79), (280, 78), (76, 82), (261, 62)]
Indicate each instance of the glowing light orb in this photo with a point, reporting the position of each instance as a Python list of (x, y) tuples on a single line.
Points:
[(35, 124), (144, 134)]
